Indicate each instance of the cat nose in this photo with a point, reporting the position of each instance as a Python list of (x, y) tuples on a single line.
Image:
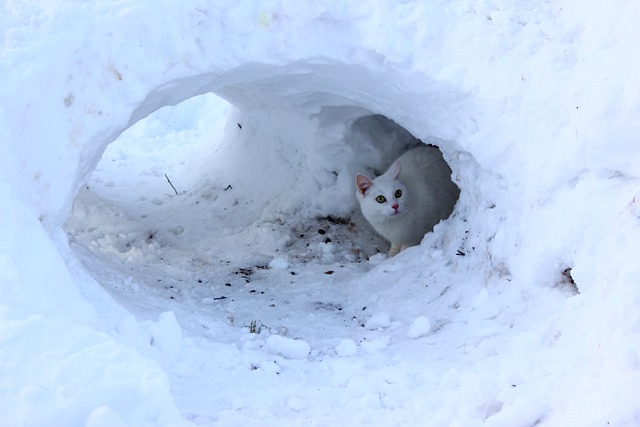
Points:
[(395, 207)]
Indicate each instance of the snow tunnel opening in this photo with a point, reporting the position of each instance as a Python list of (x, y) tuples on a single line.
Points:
[(163, 155), (203, 199)]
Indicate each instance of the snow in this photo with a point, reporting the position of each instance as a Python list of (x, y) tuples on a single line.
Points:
[(181, 244), (346, 348), (286, 347), (279, 264), (378, 321), (419, 327)]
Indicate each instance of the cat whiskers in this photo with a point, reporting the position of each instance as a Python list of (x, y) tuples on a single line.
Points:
[(403, 212), (408, 213)]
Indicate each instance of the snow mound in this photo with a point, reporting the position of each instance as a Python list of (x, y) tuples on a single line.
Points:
[(346, 348), (287, 347), (279, 263), (419, 327), (379, 321)]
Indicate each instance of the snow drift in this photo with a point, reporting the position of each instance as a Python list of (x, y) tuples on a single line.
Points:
[(520, 309)]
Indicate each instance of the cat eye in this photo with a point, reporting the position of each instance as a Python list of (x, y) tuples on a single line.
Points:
[(381, 199), (398, 193)]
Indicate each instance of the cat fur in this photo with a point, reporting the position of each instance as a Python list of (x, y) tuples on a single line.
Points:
[(428, 196)]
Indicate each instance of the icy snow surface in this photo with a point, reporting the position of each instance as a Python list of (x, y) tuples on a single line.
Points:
[(181, 244)]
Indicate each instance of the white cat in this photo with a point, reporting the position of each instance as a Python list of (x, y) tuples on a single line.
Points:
[(410, 198)]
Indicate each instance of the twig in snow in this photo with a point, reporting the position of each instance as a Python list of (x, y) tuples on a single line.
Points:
[(169, 181)]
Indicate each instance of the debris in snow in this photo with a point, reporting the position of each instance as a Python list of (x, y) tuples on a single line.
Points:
[(171, 184), (320, 305)]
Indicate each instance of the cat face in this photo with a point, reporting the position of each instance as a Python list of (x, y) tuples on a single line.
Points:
[(381, 198)]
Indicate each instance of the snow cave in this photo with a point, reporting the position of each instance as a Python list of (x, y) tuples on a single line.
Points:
[(181, 244), (221, 190)]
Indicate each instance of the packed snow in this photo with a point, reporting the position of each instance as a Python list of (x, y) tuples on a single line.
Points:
[(181, 244)]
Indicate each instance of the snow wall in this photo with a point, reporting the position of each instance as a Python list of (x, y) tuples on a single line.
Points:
[(534, 105)]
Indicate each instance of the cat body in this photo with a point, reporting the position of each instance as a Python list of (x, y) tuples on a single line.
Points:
[(410, 198)]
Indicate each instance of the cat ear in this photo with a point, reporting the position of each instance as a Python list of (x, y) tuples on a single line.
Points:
[(363, 183), (394, 169)]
